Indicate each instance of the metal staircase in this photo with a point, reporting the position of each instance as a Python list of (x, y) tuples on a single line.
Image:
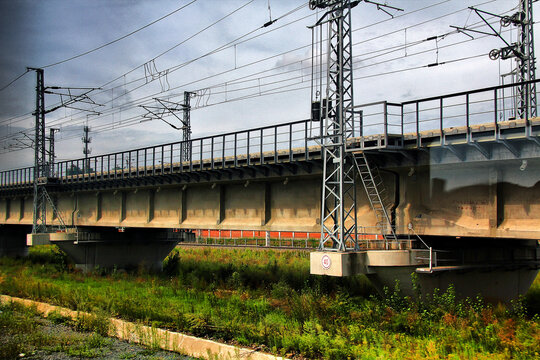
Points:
[(376, 194)]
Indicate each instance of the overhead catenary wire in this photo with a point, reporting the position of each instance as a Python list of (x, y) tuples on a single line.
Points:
[(136, 119), (364, 27), (396, 48), (371, 64), (277, 90), (14, 80), (273, 29), (254, 62), (120, 38)]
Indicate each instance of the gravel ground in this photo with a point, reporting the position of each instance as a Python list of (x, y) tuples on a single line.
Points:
[(52, 341)]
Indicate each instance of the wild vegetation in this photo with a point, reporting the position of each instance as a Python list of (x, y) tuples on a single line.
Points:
[(268, 300), (24, 334)]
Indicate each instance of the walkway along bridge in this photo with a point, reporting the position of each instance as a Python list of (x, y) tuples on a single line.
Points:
[(456, 180)]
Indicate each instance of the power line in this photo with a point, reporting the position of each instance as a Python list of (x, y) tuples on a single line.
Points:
[(256, 36), (12, 81), (283, 53), (389, 50), (120, 38)]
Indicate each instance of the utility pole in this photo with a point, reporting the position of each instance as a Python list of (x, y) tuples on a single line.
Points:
[(336, 109), (39, 222), (338, 222), (86, 151), (42, 170), (522, 50), (166, 108), (186, 138), (52, 155), (526, 63)]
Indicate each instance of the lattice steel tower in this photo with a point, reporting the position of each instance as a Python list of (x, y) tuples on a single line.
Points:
[(526, 64), (338, 208), (41, 169)]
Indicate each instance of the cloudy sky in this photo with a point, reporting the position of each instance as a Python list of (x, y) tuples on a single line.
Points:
[(245, 75)]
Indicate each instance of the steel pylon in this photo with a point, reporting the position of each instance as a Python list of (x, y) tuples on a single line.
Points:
[(338, 206)]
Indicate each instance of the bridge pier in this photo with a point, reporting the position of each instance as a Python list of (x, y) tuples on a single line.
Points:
[(498, 273), (122, 248), (13, 240)]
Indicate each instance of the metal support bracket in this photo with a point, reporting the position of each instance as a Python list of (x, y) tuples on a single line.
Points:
[(510, 148), (459, 154), (481, 149)]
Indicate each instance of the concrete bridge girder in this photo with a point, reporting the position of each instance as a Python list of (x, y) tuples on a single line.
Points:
[(485, 199)]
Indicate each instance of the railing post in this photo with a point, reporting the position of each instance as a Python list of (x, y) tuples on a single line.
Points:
[(235, 147), (402, 126), (201, 155), (418, 141), (527, 104), (212, 153), (385, 123), (496, 107), (129, 163), (467, 117), (261, 147), (247, 149), (190, 155), (441, 121), (145, 161), (290, 143), (171, 167), (153, 161), (275, 144), (223, 153), (162, 158), (306, 140), (137, 163)]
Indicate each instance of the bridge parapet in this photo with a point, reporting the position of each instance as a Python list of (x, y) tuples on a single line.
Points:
[(477, 118)]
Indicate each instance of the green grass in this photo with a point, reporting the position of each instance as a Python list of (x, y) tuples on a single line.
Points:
[(268, 299), (21, 335)]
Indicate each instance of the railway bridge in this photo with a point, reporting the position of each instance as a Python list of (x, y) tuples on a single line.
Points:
[(450, 183)]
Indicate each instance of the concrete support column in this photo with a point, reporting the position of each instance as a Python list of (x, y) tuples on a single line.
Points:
[(182, 206), (74, 213), (21, 209), (98, 206), (221, 204), (266, 205), (7, 209), (122, 199), (496, 200), (150, 206)]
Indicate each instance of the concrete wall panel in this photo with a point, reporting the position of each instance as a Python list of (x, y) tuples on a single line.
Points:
[(202, 206), (244, 205), (110, 207), (87, 208), (296, 205), (167, 204), (136, 207)]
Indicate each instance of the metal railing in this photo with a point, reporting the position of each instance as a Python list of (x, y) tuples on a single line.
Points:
[(375, 125), (384, 124), (265, 145)]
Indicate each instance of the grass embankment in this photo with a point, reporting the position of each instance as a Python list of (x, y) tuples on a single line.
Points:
[(268, 299), (23, 333), (26, 334)]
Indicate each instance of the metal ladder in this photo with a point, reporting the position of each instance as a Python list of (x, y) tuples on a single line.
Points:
[(376, 194)]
